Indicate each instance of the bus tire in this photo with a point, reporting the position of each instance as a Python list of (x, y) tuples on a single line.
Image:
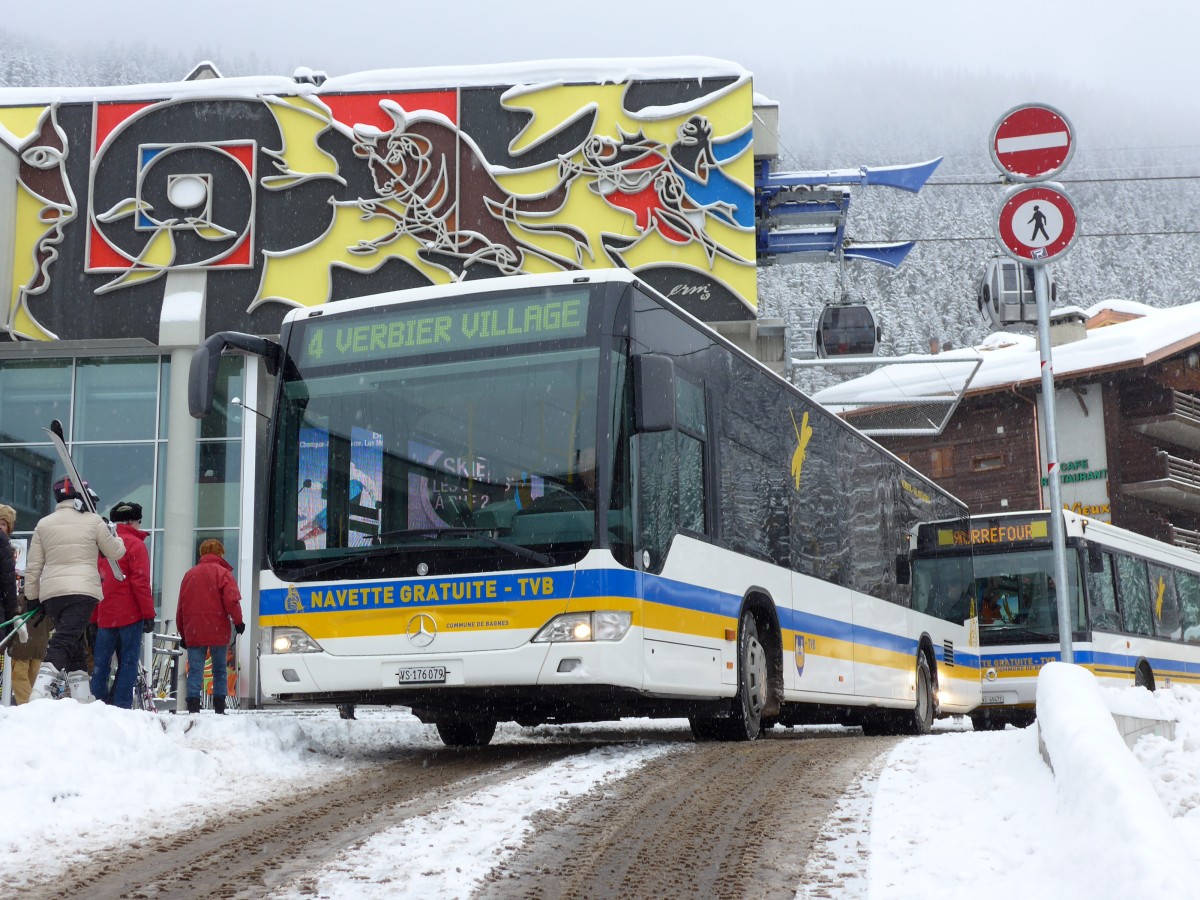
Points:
[(1143, 677), (984, 722), (705, 728), (466, 732), (753, 678), (879, 724), (919, 720)]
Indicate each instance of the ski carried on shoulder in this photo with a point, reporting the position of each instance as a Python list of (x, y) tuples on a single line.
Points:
[(60, 445)]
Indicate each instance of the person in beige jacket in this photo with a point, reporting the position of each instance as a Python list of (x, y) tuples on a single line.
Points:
[(61, 572)]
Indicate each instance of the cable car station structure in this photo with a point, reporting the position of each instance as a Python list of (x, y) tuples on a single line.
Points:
[(801, 217)]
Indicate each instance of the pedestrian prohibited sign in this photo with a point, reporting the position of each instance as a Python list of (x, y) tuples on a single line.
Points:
[(1036, 224)]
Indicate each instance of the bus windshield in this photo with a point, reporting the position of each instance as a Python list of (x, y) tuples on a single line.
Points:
[(1017, 595), (1012, 592), (467, 459)]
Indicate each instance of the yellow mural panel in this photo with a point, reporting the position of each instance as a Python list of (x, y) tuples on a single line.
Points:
[(653, 174)]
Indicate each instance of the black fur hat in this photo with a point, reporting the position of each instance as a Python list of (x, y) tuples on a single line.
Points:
[(126, 511)]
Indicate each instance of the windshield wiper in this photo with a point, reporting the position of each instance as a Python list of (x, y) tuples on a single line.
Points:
[(1013, 633), (543, 559), (326, 565)]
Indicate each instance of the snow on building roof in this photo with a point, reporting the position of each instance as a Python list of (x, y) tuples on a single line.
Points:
[(551, 71), (1011, 360)]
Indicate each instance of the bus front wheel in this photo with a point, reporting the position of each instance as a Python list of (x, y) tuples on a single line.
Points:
[(746, 721), (466, 732), (920, 719)]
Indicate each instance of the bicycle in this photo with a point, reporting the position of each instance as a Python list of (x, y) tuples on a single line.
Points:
[(155, 689)]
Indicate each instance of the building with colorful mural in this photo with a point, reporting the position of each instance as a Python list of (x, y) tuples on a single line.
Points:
[(137, 220)]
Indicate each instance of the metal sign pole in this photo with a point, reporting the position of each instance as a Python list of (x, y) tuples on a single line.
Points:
[(1041, 293)]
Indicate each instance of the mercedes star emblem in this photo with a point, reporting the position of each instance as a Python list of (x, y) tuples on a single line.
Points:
[(421, 630)]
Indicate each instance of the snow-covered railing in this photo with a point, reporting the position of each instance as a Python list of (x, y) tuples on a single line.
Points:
[(1183, 470)]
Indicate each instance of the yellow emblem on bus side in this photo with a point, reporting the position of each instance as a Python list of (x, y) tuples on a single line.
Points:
[(292, 602), (804, 434)]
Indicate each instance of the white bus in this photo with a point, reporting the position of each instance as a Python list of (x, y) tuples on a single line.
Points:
[(560, 498), (1135, 604)]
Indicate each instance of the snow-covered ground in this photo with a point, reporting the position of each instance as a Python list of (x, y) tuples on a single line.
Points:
[(950, 814)]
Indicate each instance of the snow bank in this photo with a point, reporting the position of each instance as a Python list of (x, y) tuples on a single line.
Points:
[(1104, 788), (77, 776)]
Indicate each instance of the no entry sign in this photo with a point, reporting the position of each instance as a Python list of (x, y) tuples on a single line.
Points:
[(1036, 224), (1032, 142)]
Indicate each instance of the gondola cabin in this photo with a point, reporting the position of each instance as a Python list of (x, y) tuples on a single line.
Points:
[(847, 329), (1005, 294)]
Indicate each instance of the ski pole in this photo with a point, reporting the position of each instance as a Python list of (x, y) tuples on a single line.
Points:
[(17, 622)]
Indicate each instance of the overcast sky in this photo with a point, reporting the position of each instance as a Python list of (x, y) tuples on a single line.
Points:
[(1130, 47), (1126, 73)]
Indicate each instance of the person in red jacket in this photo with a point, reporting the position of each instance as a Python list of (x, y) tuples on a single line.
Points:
[(208, 600), (125, 612)]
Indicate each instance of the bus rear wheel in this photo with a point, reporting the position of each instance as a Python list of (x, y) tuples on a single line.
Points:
[(985, 722), (1143, 677), (707, 729), (466, 732)]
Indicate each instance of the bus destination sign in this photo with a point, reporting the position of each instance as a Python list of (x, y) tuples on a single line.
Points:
[(999, 531), (400, 332)]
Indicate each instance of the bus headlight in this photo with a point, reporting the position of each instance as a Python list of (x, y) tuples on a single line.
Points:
[(288, 640), (601, 625)]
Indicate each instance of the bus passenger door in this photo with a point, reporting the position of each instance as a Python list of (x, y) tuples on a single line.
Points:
[(684, 641)]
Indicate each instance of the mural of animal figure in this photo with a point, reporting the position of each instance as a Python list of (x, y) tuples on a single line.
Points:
[(697, 160), (642, 177), (434, 184)]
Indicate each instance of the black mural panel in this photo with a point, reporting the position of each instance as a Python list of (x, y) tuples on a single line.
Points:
[(671, 91), (493, 128)]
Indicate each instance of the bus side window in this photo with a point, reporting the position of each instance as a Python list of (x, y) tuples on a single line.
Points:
[(1102, 594), (1164, 602), (691, 422), (659, 489), (1133, 592), (1188, 585)]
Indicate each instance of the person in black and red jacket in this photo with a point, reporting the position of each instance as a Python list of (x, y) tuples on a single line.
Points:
[(125, 613)]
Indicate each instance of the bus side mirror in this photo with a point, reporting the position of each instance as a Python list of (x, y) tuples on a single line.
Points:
[(1095, 559), (202, 374), (653, 393), (903, 570)]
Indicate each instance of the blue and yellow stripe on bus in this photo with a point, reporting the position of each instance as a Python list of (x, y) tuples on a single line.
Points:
[(527, 601), (1027, 664)]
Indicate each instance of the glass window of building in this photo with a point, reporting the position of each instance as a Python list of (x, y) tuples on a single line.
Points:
[(116, 399), (32, 393), (114, 410)]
